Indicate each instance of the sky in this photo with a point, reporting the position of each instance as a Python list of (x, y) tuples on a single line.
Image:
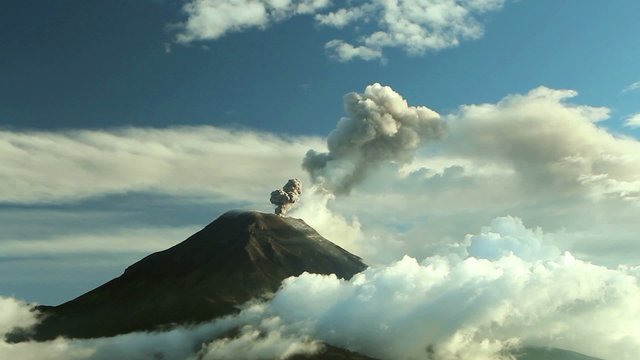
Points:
[(442, 132)]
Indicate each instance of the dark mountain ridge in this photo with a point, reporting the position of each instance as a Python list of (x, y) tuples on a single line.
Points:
[(239, 256)]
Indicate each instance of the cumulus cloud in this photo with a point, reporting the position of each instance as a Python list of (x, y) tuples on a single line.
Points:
[(538, 155), (474, 308), (379, 127), (633, 121), (414, 26), (202, 160), (510, 291), (212, 19), (508, 236), (269, 340), (551, 144)]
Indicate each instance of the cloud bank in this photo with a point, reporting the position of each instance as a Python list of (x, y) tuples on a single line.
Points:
[(474, 308), (511, 289), (257, 336), (414, 26), (201, 160), (535, 155)]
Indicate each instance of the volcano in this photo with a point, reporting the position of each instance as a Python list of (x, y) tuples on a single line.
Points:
[(238, 257)]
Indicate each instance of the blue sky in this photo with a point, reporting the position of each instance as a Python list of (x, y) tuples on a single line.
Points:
[(490, 147), (74, 64)]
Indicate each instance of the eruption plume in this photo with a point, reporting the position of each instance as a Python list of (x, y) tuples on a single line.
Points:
[(379, 127), (287, 196)]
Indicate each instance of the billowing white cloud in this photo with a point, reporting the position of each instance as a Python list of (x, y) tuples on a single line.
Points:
[(472, 308), (512, 292), (270, 340), (517, 289), (202, 160), (508, 236), (314, 209), (550, 144), (259, 336), (15, 313), (212, 19), (537, 156), (633, 121)]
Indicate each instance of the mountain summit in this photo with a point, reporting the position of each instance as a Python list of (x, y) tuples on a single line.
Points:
[(239, 256)]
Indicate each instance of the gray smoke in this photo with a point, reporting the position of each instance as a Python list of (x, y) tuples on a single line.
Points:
[(379, 127), (287, 196)]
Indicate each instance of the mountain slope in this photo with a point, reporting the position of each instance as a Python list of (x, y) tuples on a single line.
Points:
[(239, 256), (539, 353)]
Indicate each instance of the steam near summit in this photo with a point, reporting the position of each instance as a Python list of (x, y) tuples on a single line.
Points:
[(380, 126)]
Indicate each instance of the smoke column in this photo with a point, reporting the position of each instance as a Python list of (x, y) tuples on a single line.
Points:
[(379, 127), (287, 196)]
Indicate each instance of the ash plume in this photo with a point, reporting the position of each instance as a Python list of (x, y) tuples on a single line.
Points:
[(287, 196), (379, 127)]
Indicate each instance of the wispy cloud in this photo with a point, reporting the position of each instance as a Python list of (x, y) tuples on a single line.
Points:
[(122, 240), (633, 121), (633, 87), (202, 160)]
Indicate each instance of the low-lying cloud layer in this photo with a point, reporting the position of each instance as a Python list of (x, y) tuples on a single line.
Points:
[(473, 308), (414, 26), (511, 289)]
